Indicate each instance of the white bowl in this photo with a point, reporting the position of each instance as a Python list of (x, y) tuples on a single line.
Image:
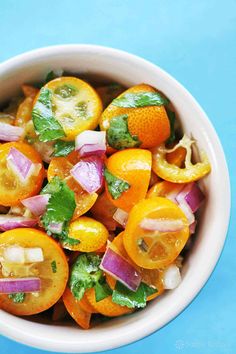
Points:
[(129, 70)]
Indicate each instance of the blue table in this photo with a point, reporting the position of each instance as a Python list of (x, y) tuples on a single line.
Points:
[(195, 41)]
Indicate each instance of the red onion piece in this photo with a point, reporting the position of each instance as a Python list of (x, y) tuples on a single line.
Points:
[(92, 149), (192, 227), (91, 142), (20, 165), (10, 132), (193, 196), (16, 285), (9, 222), (55, 228), (120, 269), (88, 172), (37, 204), (121, 217), (162, 225)]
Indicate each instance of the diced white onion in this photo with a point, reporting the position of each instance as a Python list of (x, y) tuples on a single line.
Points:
[(172, 277)]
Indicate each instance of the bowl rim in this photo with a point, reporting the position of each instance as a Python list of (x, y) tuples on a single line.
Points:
[(11, 325)]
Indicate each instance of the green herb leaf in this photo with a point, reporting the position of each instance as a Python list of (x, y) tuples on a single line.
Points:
[(54, 266), (118, 135), (45, 124), (17, 298), (125, 297), (140, 99), (60, 207), (171, 116), (50, 76), (102, 290), (63, 148), (85, 274), (115, 185)]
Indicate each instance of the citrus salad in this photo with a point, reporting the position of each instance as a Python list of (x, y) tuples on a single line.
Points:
[(98, 199)]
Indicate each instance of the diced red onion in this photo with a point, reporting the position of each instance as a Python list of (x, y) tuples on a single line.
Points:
[(16, 285), (9, 222), (162, 225), (192, 227), (91, 142), (37, 204), (171, 277), (121, 217), (20, 165), (186, 210), (174, 192), (55, 228), (119, 268), (10, 132), (193, 196), (88, 172)]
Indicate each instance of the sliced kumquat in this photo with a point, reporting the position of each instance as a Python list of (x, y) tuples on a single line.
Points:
[(154, 249), (162, 189), (132, 166), (29, 91), (150, 124), (103, 211), (177, 157), (106, 306), (75, 309)]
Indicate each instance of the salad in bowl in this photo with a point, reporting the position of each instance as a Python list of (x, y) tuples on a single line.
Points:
[(99, 197)]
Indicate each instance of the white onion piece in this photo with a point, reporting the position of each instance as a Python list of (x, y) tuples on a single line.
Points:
[(37, 204), (120, 269), (91, 137), (55, 228), (10, 132), (171, 277), (9, 222), (162, 225), (33, 255), (14, 254), (18, 254), (21, 166), (121, 217), (88, 172), (16, 285)]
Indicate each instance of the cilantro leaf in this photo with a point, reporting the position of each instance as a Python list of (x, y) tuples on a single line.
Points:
[(45, 124), (54, 266), (171, 116), (17, 298), (125, 297), (115, 185), (85, 273), (63, 148), (50, 76), (118, 135), (140, 99), (60, 207), (102, 290)]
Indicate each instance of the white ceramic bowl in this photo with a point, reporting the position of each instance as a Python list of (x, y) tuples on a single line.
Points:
[(129, 70)]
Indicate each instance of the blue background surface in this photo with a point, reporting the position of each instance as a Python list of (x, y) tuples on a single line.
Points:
[(195, 41)]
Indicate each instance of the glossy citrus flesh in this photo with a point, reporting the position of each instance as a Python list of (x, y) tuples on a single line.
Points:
[(150, 124), (76, 105), (103, 211), (162, 189), (134, 167), (52, 284), (154, 249), (75, 309), (12, 190), (106, 306), (90, 233)]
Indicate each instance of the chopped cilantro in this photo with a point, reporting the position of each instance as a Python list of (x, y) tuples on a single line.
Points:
[(17, 298), (54, 266), (140, 99), (63, 148), (60, 207), (45, 124), (118, 135), (102, 289), (50, 76), (115, 185), (85, 273), (125, 297)]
